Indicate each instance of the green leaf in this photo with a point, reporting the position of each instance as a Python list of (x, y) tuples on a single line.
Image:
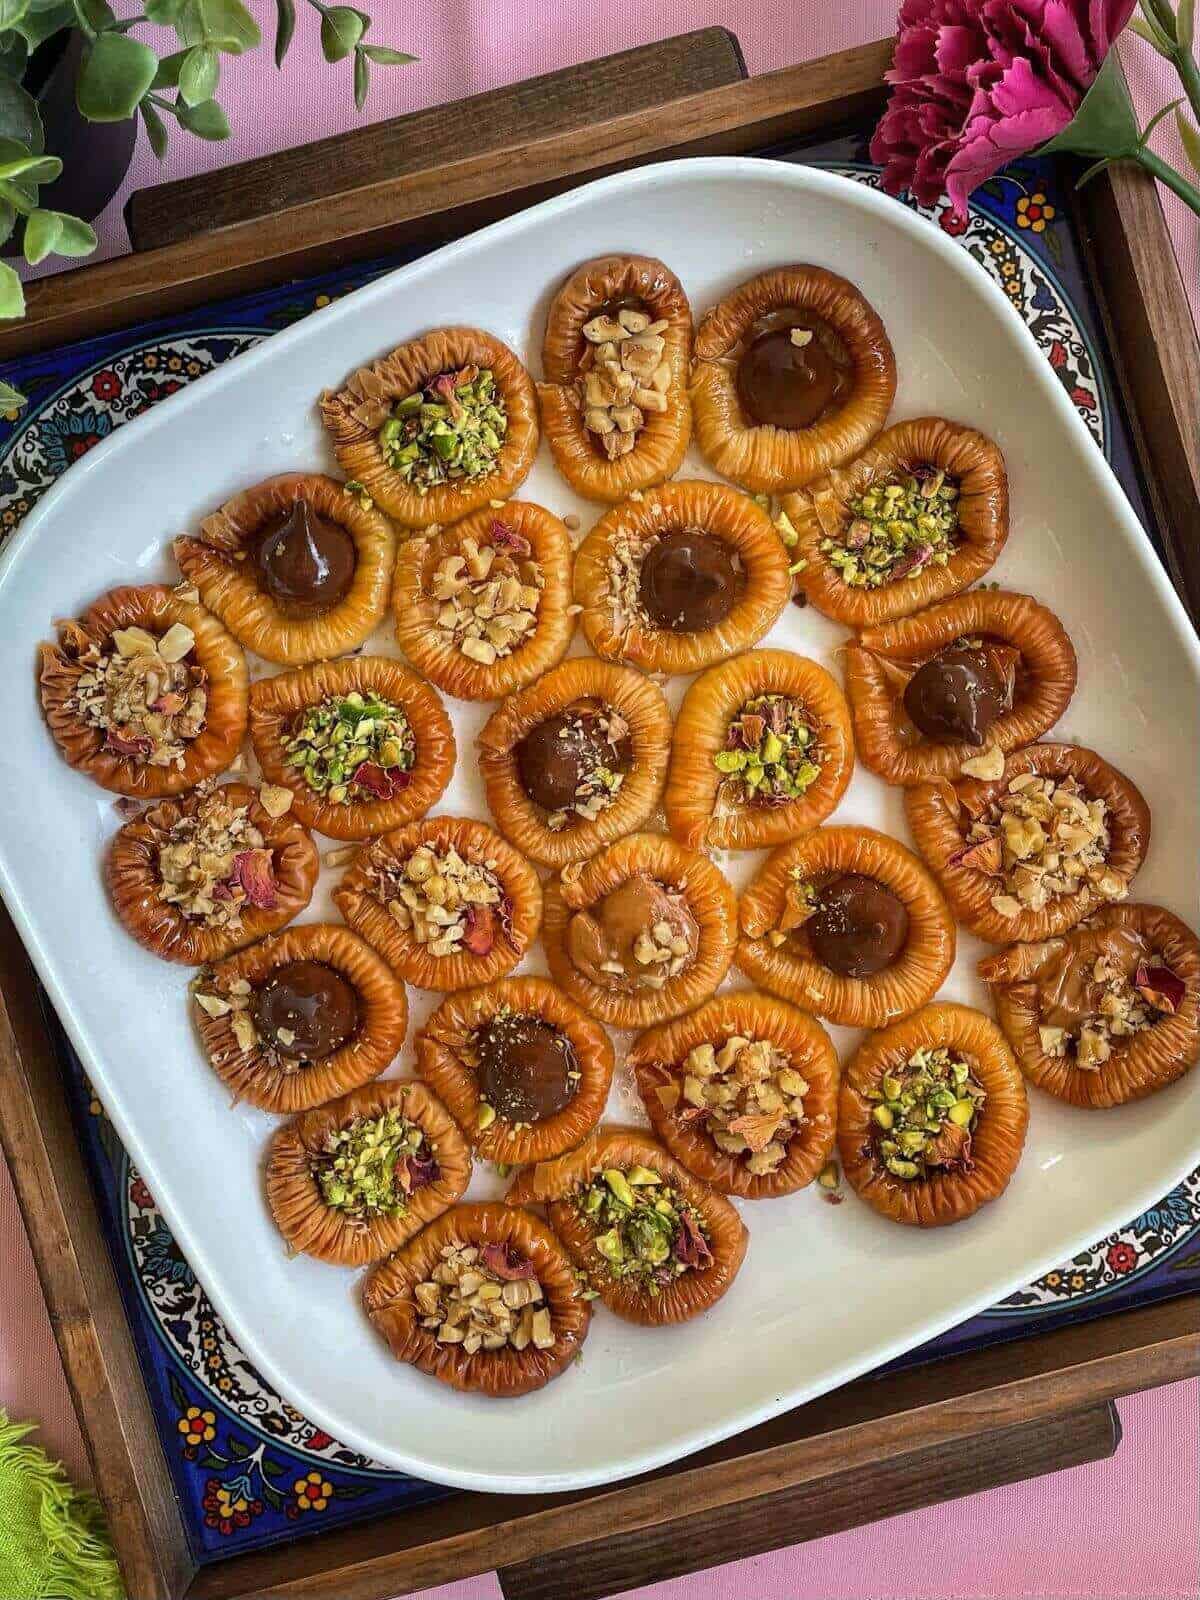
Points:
[(164, 12), (341, 29), (12, 296), (8, 221), (21, 199), (11, 399), (1189, 138), (11, 12), (1185, 24), (285, 27), (34, 169), (383, 56), (169, 68), (115, 75), (156, 130), (76, 237), (206, 121), (1152, 34), (19, 117), (40, 22), (1105, 124), (199, 75), (41, 235), (224, 23), (14, 53), (362, 79), (1163, 111), (95, 14), (1159, 13)]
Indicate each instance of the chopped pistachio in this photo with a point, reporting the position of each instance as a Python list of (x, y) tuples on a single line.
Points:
[(773, 753), (452, 430), (360, 1172), (353, 747), (925, 1113), (647, 1232), (898, 527)]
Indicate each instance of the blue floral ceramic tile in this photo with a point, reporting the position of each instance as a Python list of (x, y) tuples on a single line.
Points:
[(248, 1468)]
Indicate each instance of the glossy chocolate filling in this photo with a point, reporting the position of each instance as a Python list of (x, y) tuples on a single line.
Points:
[(689, 581), (794, 370), (525, 1067), (306, 1009), (955, 697), (859, 926), (559, 755), (304, 562)]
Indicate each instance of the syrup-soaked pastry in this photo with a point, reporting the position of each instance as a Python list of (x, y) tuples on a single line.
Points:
[(197, 878), (847, 923), (300, 1017), (298, 567), (485, 1299), (948, 692), (363, 744), (575, 760), (1106, 1013), (743, 1091), (685, 576), (932, 1116), (438, 428), (483, 607), (353, 1180), (643, 931), (919, 516), (1037, 849), (616, 354), (762, 751), (524, 1071), (793, 374), (146, 694), (446, 902)]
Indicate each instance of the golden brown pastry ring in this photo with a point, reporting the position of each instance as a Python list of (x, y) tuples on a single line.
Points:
[(155, 608), (657, 1059), (434, 652), (388, 1301), (708, 896), (663, 437), (354, 414), (722, 513), (716, 697), (1140, 1064), (357, 900), (794, 972), (998, 1138), (276, 702), (822, 511), (216, 562), (941, 813), (552, 1183), (132, 877), (314, 1228), (762, 457), (253, 1075), (580, 680), (444, 1061), (881, 660)]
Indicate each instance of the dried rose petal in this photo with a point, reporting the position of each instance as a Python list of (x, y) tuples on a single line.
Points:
[(506, 538), (506, 1262), (757, 1130), (777, 715), (138, 747), (687, 1115), (691, 1247), (381, 782), (481, 930), (169, 704), (252, 869), (912, 563), (414, 1172), (985, 856), (949, 1145), (753, 728), (858, 534), (222, 891), (1160, 987)]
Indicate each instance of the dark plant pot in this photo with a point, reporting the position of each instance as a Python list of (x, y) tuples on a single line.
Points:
[(95, 155)]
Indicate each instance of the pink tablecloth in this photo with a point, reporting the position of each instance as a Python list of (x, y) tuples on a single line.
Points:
[(1125, 1528)]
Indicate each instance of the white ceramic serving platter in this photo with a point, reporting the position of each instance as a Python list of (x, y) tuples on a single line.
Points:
[(826, 1292)]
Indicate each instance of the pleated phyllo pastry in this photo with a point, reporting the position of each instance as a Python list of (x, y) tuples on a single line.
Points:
[(614, 399)]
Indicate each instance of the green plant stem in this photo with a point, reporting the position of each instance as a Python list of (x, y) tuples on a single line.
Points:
[(1166, 174), (1189, 76)]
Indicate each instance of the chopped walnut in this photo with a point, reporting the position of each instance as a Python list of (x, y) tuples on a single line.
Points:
[(1112, 1005), (141, 692), (489, 594), (213, 863), (1041, 839), (747, 1096), (622, 377), (444, 901), (465, 1302)]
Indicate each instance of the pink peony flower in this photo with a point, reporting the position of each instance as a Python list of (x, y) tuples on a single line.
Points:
[(977, 83)]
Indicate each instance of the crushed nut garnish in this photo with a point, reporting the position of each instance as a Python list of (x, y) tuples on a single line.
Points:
[(745, 1094), (1104, 987), (771, 753), (925, 1113), (485, 1299), (898, 528), (600, 783), (986, 767), (372, 1166), (800, 901), (358, 747), (445, 902), (1043, 838), (275, 800), (451, 430), (622, 376), (141, 691), (489, 594), (643, 1227), (213, 863)]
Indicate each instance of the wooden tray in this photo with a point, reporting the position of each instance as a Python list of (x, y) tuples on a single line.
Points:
[(870, 1450)]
